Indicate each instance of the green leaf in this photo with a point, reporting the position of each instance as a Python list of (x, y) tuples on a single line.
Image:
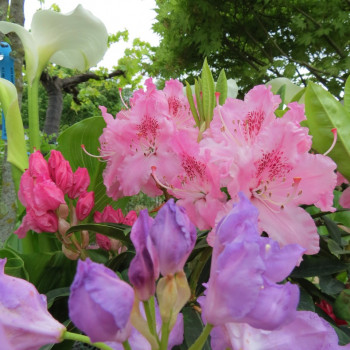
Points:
[(333, 230), (330, 285), (342, 305), (14, 265), (208, 89), (282, 92), (347, 95), (291, 88), (191, 102), (87, 133), (305, 301), (324, 113), (221, 86), (48, 271), (316, 265), (193, 327), (199, 98), (112, 230), (54, 294)]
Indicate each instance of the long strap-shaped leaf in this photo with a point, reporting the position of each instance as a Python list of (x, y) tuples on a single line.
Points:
[(324, 113), (208, 89)]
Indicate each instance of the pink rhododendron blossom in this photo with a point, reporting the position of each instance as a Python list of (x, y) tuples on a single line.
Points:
[(341, 179), (25, 323), (267, 158), (344, 199), (143, 137)]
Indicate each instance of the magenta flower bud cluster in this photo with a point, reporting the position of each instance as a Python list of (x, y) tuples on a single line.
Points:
[(42, 191)]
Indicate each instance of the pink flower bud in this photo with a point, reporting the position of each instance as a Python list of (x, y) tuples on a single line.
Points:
[(84, 205), (47, 196), (112, 215), (38, 167), (81, 181), (24, 319), (130, 218), (60, 171)]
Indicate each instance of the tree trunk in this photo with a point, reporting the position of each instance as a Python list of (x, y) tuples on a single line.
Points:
[(53, 86), (7, 190)]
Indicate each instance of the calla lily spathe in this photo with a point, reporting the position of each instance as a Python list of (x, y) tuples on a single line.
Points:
[(17, 153), (77, 40)]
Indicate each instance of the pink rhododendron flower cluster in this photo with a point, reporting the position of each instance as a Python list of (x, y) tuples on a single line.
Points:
[(154, 145)]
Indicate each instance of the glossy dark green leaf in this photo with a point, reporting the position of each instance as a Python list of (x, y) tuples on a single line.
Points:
[(112, 230), (333, 230), (87, 132), (305, 301), (342, 305), (330, 285), (324, 113), (316, 265), (193, 326), (54, 294)]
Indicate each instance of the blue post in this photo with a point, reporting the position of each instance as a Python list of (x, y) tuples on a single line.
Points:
[(7, 71)]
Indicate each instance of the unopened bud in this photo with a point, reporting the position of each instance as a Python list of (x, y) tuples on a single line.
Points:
[(84, 239), (70, 254), (63, 227), (63, 211)]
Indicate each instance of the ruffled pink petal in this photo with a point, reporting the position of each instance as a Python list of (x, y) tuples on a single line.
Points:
[(344, 200), (289, 225), (318, 180)]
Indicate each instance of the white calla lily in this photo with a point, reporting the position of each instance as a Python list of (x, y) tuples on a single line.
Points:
[(77, 39)]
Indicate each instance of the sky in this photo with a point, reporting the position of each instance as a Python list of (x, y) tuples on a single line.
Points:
[(136, 16)]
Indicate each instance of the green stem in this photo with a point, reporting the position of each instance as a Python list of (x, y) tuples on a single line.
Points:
[(33, 115), (150, 316), (126, 345), (199, 343), (86, 340), (28, 245), (165, 336)]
